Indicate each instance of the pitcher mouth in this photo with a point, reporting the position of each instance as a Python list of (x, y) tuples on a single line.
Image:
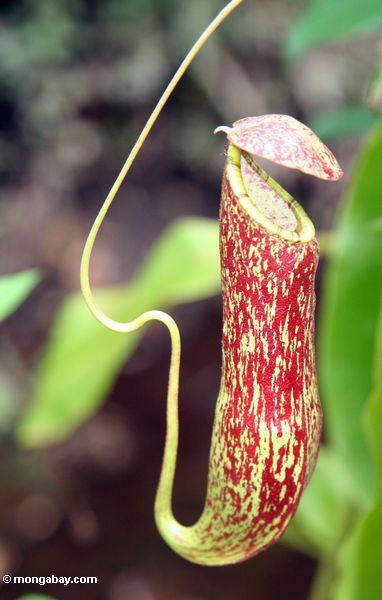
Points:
[(268, 204)]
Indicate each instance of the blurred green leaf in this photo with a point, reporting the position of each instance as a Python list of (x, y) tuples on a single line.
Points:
[(318, 520), (184, 264), (361, 558), (374, 408), (82, 358), (14, 288), (342, 122), (9, 400), (327, 20), (77, 369), (374, 93), (35, 597), (352, 292)]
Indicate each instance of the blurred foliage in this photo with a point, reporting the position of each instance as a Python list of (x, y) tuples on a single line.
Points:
[(327, 20), (340, 516), (321, 516), (14, 288), (35, 597), (361, 557), (342, 122), (82, 358), (344, 484), (374, 93), (10, 401), (349, 316)]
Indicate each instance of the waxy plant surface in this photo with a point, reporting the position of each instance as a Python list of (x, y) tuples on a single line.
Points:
[(268, 417), (266, 198)]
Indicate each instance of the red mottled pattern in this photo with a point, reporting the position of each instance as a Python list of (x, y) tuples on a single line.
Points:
[(268, 418), (286, 141)]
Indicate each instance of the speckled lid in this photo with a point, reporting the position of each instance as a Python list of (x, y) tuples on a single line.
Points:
[(284, 140)]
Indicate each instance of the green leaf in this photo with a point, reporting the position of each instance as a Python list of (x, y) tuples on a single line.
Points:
[(184, 264), (82, 358), (352, 292), (14, 288), (327, 20), (374, 408), (374, 93), (77, 368), (36, 597), (361, 557), (315, 526), (342, 122)]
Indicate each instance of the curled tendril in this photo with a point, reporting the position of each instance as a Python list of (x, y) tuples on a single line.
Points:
[(171, 444)]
